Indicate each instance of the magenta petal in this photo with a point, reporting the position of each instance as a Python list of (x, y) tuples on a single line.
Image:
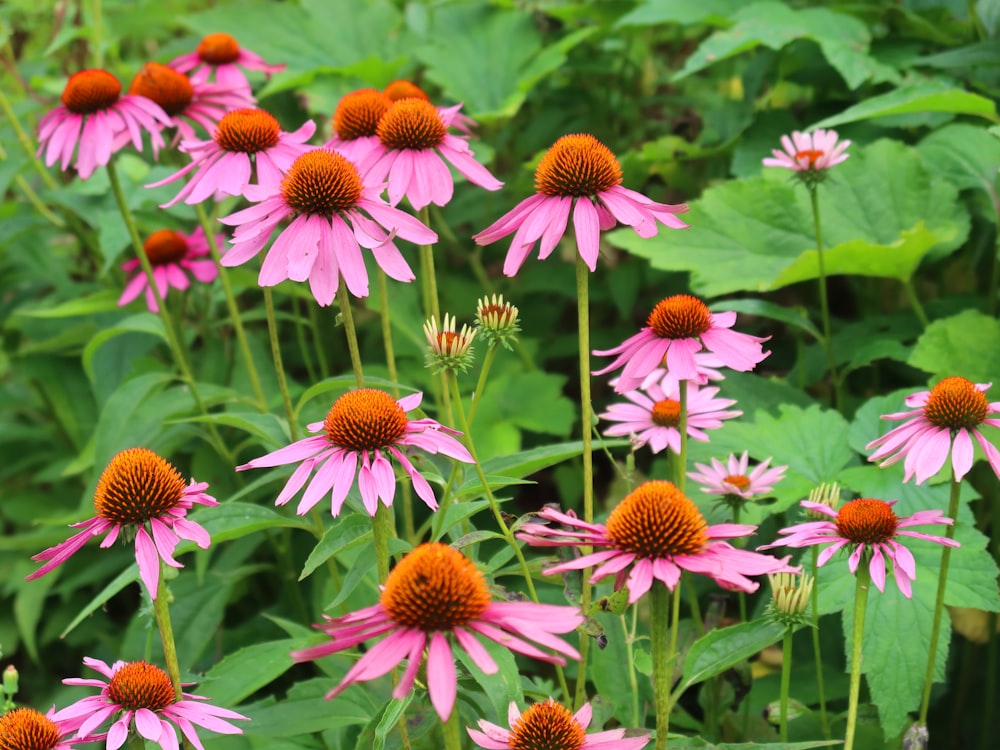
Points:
[(442, 682)]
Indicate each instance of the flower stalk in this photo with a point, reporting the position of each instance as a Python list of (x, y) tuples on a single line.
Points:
[(786, 679), (823, 303), (857, 642), (352, 335), (663, 618), (586, 417), (161, 611), (817, 652), (279, 368)]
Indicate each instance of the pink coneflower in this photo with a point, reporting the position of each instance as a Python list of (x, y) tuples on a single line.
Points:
[(809, 152), (412, 139), (334, 214), (706, 365), (452, 116), (872, 527), (148, 704), (141, 494), (28, 729), (245, 139), (579, 174), (436, 599), (944, 418), (678, 327), (93, 114), (362, 430), (735, 477), (221, 55), (355, 122), (654, 416), (552, 726), (173, 255), (659, 532)]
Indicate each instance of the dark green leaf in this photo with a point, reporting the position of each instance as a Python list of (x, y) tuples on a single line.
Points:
[(718, 650)]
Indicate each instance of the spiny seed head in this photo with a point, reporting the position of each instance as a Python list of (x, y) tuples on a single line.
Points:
[(358, 113), (165, 86), (867, 521), (658, 520), (136, 486), (28, 729), (321, 183), (90, 91), (577, 165), (365, 420), (411, 124), (446, 348), (140, 685), (497, 321), (165, 246), (547, 726), (247, 131), (680, 316), (667, 413), (405, 90), (218, 49), (956, 403)]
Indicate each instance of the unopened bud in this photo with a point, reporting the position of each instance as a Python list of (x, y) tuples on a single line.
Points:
[(446, 348), (497, 321), (790, 594), (10, 678), (824, 494)]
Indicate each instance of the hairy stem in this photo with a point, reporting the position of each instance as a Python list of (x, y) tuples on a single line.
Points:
[(857, 643)]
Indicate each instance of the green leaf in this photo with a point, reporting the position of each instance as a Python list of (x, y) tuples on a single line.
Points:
[(29, 604), (765, 309), (927, 96), (270, 429), (305, 710), (389, 719), (119, 582), (718, 650), (342, 383), (967, 344), (526, 463), (504, 685), (656, 12), (144, 322), (347, 533), (610, 670), (697, 743), (983, 53), (968, 156), (105, 301), (237, 520), (243, 672)]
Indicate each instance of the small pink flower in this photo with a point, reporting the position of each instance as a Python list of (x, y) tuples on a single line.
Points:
[(452, 116), (733, 477), (809, 152), (706, 365), (173, 255), (872, 528), (654, 416), (677, 328), (551, 725), (578, 174), (436, 600), (947, 417), (659, 532), (355, 122), (93, 115), (362, 430), (28, 729), (144, 700), (140, 494), (334, 214), (220, 55)]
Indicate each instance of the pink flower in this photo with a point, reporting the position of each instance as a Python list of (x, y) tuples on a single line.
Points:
[(412, 138), (138, 493), (355, 122), (578, 170), (173, 255), (362, 430), (551, 725), (28, 729), (221, 55), (659, 532), (678, 327), (706, 366), (654, 417), (435, 600), (809, 152), (452, 116), (944, 418), (872, 528), (93, 115), (148, 704), (732, 477), (244, 139)]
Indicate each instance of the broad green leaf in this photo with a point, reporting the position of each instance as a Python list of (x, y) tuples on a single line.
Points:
[(656, 12), (966, 155), (270, 429), (526, 463), (389, 719), (123, 579), (237, 520), (983, 53), (347, 533), (718, 650), (305, 710), (765, 309), (967, 344), (928, 96), (104, 301), (29, 605), (144, 322), (697, 743), (609, 668), (504, 685), (243, 672)]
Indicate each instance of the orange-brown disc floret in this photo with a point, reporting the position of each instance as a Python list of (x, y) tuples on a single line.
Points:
[(658, 520), (137, 485), (739, 481), (358, 113), (547, 726), (577, 165), (321, 182), (411, 124), (667, 413), (90, 91), (435, 587), (680, 316), (165, 246), (866, 521), (218, 49), (956, 403), (27, 729), (140, 685), (813, 155), (247, 131), (165, 86), (403, 89), (365, 420)]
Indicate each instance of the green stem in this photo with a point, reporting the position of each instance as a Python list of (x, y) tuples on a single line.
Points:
[(452, 730), (300, 337), (681, 478), (633, 680), (663, 618), (26, 143), (583, 325), (136, 742), (390, 354), (918, 309), (817, 653), (823, 303), (477, 395), (352, 335), (34, 200), (381, 533), (161, 610), (318, 346), (279, 368), (925, 701), (786, 679), (97, 33), (857, 643)]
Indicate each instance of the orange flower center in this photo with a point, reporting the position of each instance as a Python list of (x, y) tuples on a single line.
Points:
[(358, 113), (411, 124), (247, 131), (667, 413), (957, 404), (137, 485), (321, 182), (658, 520), (680, 317), (813, 155), (435, 587), (90, 91), (140, 685), (866, 521), (165, 86), (27, 729), (218, 49), (165, 246), (738, 481), (365, 420), (405, 90), (577, 165), (547, 726)]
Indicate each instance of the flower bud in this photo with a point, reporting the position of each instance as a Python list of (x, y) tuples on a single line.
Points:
[(790, 595), (826, 494), (446, 349), (10, 679), (497, 321)]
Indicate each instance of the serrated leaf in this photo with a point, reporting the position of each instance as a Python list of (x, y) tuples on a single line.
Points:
[(347, 533), (303, 711), (967, 344), (237, 520), (243, 672), (719, 649), (927, 96), (967, 155)]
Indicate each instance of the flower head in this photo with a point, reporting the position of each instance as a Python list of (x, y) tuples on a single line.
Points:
[(173, 255), (334, 214), (579, 174), (659, 532), (92, 117), (551, 726), (355, 122), (653, 416), (139, 495), (677, 328), (28, 729), (736, 478), (946, 417), (361, 432), (872, 529), (145, 698), (220, 56), (809, 155), (446, 348), (452, 116), (790, 595), (497, 321), (436, 599)]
